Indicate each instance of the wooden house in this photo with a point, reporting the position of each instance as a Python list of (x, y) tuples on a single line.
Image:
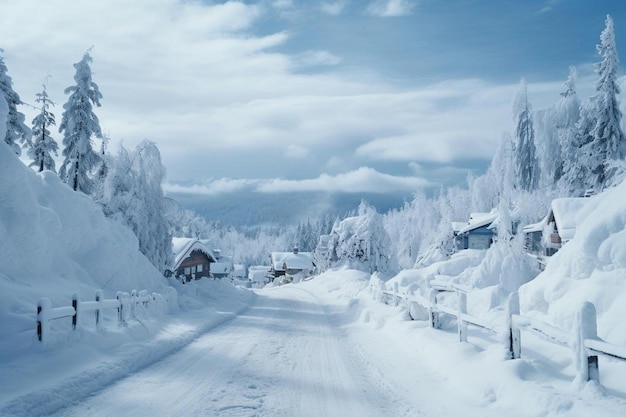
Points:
[(547, 236), (291, 263), (477, 233), (192, 259)]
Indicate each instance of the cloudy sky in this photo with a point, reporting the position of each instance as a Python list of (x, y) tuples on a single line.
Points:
[(287, 95)]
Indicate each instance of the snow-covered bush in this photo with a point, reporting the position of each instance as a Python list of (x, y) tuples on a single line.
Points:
[(362, 242)]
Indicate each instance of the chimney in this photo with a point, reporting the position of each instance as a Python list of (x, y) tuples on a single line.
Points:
[(295, 250)]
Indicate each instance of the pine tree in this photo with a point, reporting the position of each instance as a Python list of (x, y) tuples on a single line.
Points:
[(43, 145), (526, 164), (566, 116), (78, 125), (608, 139), (16, 130)]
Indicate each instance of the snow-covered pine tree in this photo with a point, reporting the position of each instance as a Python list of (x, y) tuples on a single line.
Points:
[(16, 130), (525, 154), (43, 144), (566, 116), (608, 141), (78, 125)]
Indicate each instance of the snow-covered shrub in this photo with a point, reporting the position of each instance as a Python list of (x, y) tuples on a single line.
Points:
[(362, 242)]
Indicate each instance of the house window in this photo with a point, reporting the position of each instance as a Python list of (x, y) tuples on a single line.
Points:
[(200, 268), (187, 270)]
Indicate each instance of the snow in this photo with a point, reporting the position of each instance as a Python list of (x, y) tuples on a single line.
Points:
[(478, 220), (182, 247), (300, 260), (591, 267), (568, 214), (319, 347)]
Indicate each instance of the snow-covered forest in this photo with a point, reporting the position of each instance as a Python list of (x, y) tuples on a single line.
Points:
[(104, 221)]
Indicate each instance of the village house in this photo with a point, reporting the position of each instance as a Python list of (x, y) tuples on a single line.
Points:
[(259, 275), (477, 233), (288, 264), (223, 265), (192, 259), (547, 236)]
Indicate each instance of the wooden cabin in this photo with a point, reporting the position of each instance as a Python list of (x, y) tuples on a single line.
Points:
[(192, 259)]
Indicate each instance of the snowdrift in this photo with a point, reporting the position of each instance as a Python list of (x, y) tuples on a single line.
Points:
[(56, 242), (591, 267)]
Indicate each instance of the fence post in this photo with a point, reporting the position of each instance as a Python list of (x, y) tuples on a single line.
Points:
[(462, 309), (433, 314), (133, 301), (99, 298), (120, 310), (586, 328), (76, 305), (515, 341), (43, 306), (395, 294)]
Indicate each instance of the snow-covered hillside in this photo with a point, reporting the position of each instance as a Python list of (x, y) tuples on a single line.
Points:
[(591, 267), (56, 242)]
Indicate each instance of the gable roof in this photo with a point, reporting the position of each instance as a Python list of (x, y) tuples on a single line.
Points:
[(300, 260), (182, 248), (478, 220), (569, 213)]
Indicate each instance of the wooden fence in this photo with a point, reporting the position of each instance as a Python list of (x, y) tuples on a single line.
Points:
[(126, 305), (583, 341)]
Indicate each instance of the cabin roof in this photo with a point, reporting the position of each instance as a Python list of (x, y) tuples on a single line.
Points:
[(478, 220), (182, 248), (536, 227), (300, 260), (567, 215)]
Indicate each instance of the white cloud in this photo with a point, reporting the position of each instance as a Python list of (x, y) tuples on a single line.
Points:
[(211, 187), (334, 8), (362, 180), (391, 8), (196, 79), (316, 58)]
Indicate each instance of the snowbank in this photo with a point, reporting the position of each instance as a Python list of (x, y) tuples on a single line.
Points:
[(591, 267), (56, 242)]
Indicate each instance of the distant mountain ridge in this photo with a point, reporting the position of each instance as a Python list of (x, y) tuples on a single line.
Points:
[(246, 209)]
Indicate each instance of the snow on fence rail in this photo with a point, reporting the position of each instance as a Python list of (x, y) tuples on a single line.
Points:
[(125, 304), (584, 341)]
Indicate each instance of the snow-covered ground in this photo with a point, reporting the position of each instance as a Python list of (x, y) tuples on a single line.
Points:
[(322, 347)]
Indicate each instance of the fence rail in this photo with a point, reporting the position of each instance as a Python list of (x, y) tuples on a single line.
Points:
[(583, 341), (125, 304)]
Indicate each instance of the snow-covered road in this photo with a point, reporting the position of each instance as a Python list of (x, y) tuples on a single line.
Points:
[(282, 357)]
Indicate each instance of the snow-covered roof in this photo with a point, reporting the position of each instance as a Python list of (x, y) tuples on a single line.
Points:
[(457, 226), (478, 220), (183, 246), (535, 227), (566, 215), (258, 273), (300, 260)]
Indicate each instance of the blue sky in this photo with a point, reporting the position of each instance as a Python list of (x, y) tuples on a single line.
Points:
[(277, 96)]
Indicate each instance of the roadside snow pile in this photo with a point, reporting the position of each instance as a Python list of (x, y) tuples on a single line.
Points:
[(56, 242), (591, 267), (491, 274)]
